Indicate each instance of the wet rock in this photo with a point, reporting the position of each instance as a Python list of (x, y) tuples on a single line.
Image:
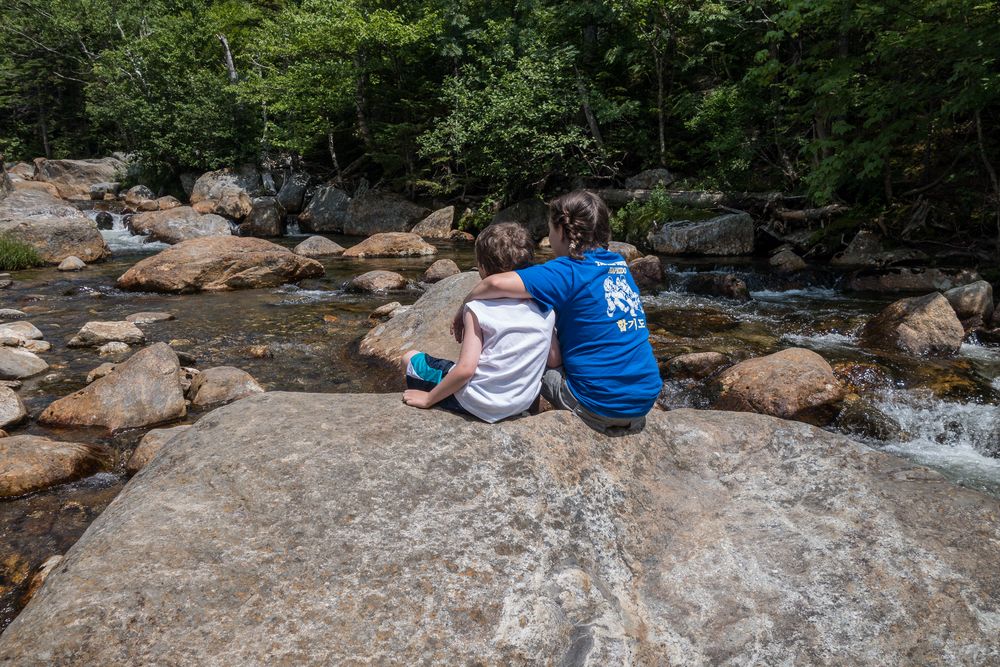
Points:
[(8, 314), (863, 250), (459, 235), (860, 377), (99, 191), (142, 391), (151, 317), (532, 213), (318, 246), (440, 270), (425, 326), (327, 211), (292, 192), (647, 272), (729, 234), (113, 348), (786, 261), (792, 384), (385, 311), (378, 281), (910, 280), (377, 212), (17, 364), (11, 408), (219, 263), (53, 229), (30, 463), (258, 352), (437, 225), (188, 375), (226, 192), (73, 178), (266, 219), (178, 224), (710, 538), (104, 220), (96, 333), (21, 332), (72, 263), (649, 179), (695, 365), (862, 418), (100, 371), (920, 325), (628, 251), (167, 203), (39, 577), (150, 446), (221, 384), (11, 384), (717, 284), (36, 346), (972, 301), (391, 244), (138, 194)]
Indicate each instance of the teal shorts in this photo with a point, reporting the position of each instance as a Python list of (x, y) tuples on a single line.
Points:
[(425, 372)]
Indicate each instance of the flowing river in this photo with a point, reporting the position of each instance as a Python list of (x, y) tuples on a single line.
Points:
[(948, 410)]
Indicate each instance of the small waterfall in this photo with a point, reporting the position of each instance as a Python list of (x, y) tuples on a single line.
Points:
[(118, 236)]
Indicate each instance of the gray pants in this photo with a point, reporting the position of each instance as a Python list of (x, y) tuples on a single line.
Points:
[(556, 391)]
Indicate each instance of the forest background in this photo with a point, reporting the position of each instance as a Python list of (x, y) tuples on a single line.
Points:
[(890, 107)]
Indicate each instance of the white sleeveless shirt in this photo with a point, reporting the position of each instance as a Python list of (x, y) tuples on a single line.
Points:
[(516, 338)]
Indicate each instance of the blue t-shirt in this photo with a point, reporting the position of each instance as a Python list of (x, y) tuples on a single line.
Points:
[(602, 331)]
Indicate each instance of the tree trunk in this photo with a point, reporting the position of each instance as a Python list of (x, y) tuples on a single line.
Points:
[(361, 101), (43, 129), (333, 154), (989, 170), (595, 131), (661, 121), (228, 55)]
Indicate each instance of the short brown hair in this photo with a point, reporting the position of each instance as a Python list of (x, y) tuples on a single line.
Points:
[(583, 217), (504, 246)]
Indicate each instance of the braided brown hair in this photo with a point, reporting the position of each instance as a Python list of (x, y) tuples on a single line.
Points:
[(583, 218)]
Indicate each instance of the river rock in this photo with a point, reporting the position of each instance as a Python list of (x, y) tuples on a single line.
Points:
[(53, 229), (226, 192), (178, 224), (459, 235), (862, 418), (142, 391), (409, 537), (425, 326), (378, 281), (695, 365), (150, 446), (221, 384), (7, 314), (718, 284), (863, 250), (293, 191), (96, 333), (39, 577), (72, 263), (30, 463), (24, 170), (114, 349), (17, 364), (99, 191), (646, 271), (649, 179), (385, 311), (532, 213), (786, 261), (38, 186), (22, 332), (138, 194), (391, 244), (437, 225), (440, 270), (628, 251), (792, 384), (266, 219), (219, 263), (149, 317), (910, 280), (100, 371), (972, 302), (920, 325), (318, 246), (376, 212), (327, 211), (11, 408), (73, 178), (728, 234)]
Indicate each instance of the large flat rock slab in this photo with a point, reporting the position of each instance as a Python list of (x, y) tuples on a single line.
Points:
[(308, 529), (55, 230)]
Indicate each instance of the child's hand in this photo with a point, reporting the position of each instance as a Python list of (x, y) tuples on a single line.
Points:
[(416, 398)]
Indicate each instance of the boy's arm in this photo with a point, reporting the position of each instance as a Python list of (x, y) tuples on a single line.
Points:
[(555, 353), (461, 372), (497, 286)]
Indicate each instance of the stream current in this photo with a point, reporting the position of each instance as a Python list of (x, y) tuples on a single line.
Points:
[(948, 409)]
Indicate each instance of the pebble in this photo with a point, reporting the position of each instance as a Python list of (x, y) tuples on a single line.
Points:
[(72, 263), (114, 347)]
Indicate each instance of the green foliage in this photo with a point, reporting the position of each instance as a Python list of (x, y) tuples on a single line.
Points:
[(16, 255), (634, 221)]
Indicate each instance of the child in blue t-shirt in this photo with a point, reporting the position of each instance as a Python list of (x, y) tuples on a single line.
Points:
[(608, 375)]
